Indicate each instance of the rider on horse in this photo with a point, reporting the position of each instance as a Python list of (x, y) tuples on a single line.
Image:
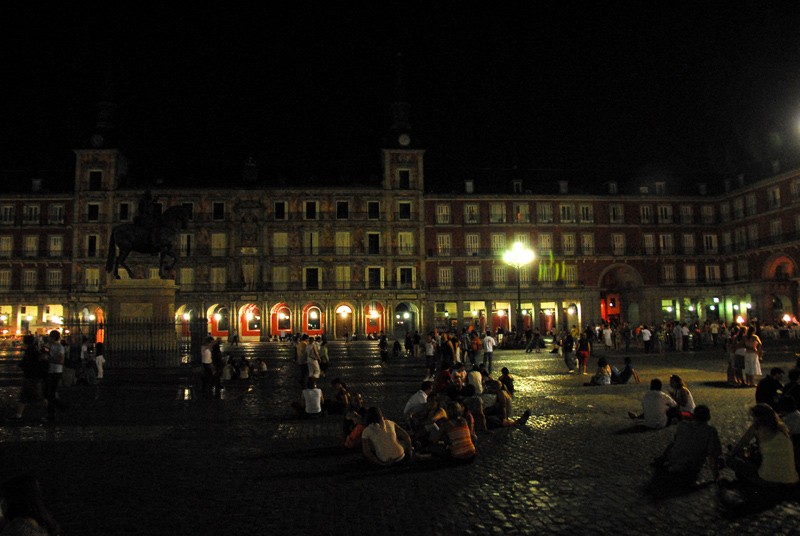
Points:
[(148, 218)]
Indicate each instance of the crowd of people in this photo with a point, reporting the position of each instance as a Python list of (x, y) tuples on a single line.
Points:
[(442, 419), (460, 397)]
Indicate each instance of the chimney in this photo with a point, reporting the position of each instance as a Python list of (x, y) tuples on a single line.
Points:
[(36, 185), (727, 185), (563, 187), (702, 188), (469, 186), (740, 178)]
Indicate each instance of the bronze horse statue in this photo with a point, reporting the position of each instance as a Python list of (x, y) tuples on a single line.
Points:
[(158, 239)]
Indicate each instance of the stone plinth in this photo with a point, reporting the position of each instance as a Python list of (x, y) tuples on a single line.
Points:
[(141, 323)]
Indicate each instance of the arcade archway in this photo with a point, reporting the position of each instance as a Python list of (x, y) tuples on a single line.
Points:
[(406, 316), (343, 324)]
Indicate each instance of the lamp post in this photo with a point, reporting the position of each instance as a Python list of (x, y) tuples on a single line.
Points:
[(519, 256)]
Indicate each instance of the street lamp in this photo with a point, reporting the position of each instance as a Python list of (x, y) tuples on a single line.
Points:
[(519, 256)]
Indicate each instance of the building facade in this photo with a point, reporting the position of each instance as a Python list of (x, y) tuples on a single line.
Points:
[(395, 256)]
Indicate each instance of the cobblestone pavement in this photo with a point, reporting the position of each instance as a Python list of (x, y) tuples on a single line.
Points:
[(141, 455)]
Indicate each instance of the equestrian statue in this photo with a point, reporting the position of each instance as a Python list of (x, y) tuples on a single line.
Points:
[(151, 232)]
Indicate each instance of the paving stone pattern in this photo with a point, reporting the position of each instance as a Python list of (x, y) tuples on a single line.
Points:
[(143, 454)]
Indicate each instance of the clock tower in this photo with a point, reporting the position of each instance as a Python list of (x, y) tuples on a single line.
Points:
[(402, 155)]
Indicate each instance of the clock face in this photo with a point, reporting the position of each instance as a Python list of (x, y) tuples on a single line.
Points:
[(403, 139)]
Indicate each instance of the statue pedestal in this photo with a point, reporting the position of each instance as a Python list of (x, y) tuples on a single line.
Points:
[(140, 325)]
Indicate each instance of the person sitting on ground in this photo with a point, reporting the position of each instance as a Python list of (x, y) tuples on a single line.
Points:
[(351, 415), (695, 443), (227, 371), (681, 394), (627, 373), (655, 406), (418, 400), (311, 400), (353, 439), (475, 379), (244, 369), (259, 366), (507, 380), (792, 387), (455, 388), (770, 388), (424, 423), (456, 437), (791, 418), (497, 407), (777, 464), (443, 378), (337, 405), (474, 405), (24, 510), (459, 372), (787, 409), (383, 442), (603, 374)]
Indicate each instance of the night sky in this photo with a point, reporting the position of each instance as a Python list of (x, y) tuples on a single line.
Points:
[(673, 90)]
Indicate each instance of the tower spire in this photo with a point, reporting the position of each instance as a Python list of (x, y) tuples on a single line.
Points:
[(400, 106), (106, 107)]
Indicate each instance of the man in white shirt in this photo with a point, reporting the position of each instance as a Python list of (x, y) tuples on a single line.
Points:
[(488, 350), (419, 399), (654, 406), (207, 361), (647, 337), (312, 400)]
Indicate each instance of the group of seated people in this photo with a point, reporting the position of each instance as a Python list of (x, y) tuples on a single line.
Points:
[(767, 454), (441, 419), (240, 368), (608, 374)]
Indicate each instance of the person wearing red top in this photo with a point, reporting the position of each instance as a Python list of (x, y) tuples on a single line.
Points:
[(443, 378)]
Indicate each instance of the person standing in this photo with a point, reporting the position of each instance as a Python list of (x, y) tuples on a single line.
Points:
[(218, 363), (207, 361), (34, 369), (583, 352), (567, 344), (54, 373), (488, 350), (430, 353), (608, 337), (383, 346), (99, 359), (647, 339), (752, 356), (301, 356), (417, 340)]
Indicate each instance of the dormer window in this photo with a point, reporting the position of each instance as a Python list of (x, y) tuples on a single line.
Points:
[(516, 186)]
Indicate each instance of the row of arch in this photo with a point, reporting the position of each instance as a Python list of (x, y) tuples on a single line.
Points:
[(249, 322)]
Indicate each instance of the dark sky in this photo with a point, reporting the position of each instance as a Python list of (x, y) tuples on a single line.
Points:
[(590, 90)]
